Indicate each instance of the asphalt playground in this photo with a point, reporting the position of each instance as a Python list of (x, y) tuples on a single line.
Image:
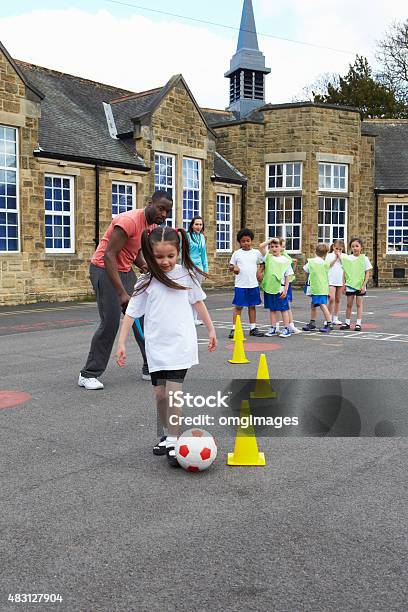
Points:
[(87, 511)]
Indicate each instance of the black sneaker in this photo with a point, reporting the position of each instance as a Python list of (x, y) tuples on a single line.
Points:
[(357, 327), (256, 332), (309, 327), (160, 447), (145, 372), (171, 457), (344, 326), (231, 334)]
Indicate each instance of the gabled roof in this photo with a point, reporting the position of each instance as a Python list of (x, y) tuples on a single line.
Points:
[(137, 106), (225, 171), (73, 123), (37, 93), (391, 153), (214, 116)]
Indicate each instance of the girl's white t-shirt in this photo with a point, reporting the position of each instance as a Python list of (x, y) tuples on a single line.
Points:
[(335, 271), (170, 332)]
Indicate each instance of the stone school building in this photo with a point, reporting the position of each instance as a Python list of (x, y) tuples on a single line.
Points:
[(74, 153)]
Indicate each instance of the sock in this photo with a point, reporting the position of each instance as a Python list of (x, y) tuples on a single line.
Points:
[(252, 325), (171, 441), (233, 327), (312, 322), (358, 322), (292, 326), (347, 321)]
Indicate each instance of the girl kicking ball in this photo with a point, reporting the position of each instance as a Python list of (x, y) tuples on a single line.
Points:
[(165, 296)]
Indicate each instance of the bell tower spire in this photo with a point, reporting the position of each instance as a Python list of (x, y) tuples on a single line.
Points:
[(247, 67)]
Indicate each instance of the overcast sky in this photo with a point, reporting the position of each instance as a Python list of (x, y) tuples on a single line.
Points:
[(136, 49)]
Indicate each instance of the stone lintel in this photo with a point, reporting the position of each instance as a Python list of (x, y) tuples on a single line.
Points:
[(14, 119), (284, 157), (333, 158), (125, 177), (159, 146)]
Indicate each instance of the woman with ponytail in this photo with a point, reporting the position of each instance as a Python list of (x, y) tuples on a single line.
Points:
[(165, 296), (198, 251)]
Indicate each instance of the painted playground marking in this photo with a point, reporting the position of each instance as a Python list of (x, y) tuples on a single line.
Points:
[(9, 399), (344, 335)]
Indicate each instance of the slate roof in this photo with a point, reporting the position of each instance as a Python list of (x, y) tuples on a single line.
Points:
[(391, 153), (217, 117), (73, 123), (225, 171), (133, 106)]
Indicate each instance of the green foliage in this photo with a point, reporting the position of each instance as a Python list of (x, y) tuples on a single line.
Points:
[(359, 89)]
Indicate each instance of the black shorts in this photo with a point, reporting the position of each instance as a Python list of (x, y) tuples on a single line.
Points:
[(357, 293), (159, 378)]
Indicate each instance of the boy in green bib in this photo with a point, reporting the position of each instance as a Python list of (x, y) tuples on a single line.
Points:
[(356, 268), (275, 284), (318, 271)]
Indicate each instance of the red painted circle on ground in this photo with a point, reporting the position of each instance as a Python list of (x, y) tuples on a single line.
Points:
[(367, 326), (8, 399), (257, 346), (400, 315)]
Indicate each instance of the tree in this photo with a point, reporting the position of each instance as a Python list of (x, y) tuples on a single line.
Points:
[(392, 54), (359, 88), (318, 87)]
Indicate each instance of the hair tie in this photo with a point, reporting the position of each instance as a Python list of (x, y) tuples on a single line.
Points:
[(176, 228)]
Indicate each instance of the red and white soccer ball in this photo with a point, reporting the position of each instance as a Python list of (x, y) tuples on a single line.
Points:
[(196, 450)]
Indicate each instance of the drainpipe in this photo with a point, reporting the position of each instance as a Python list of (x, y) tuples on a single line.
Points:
[(243, 205), (96, 240), (375, 244)]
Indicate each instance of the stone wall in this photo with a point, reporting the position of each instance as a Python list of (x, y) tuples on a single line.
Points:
[(388, 262)]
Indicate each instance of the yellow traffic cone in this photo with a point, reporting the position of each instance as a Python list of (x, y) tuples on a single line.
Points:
[(238, 355), (246, 448), (238, 331), (263, 387)]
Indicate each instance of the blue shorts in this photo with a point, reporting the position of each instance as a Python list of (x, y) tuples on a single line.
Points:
[(246, 297), (273, 301), (290, 298), (319, 299)]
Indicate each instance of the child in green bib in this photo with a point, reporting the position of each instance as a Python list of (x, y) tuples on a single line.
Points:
[(293, 263), (318, 270), (275, 284), (356, 268)]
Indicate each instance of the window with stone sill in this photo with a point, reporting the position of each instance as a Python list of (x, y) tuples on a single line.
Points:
[(397, 229), (191, 189), (224, 222), (59, 213), (165, 180), (9, 209), (284, 176), (333, 177), (123, 197), (284, 220)]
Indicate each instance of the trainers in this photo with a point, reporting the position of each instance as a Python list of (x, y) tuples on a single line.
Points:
[(285, 333), (256, 332), (271, 332), (309, 327), (357, 327), (160, 447), (231, 334), (197, 322), (295, 330), (89, 383), (145, 372), (337, 322), (344, 326), (171, 457), (326, 328)]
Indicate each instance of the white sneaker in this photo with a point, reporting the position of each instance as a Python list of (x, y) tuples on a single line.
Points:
[(89, 383), (198, 322), (271, 332), (295, 330), (285, 333), (337, 322)]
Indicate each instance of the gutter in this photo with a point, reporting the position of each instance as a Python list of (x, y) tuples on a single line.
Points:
[(92, 161), (375, 240), (97, 205)]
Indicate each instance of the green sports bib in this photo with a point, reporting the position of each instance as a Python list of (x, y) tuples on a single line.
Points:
[(274, 271), (319, 277), (284, 253), (354, 271)]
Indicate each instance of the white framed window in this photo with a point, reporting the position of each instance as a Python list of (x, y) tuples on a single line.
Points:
[(397, 229), (284, 220), (165, 180), (59, 213), (332, 219), (9, 205), (224, 222), (284, 176), (191, 189), (333, 177), (123, 197)]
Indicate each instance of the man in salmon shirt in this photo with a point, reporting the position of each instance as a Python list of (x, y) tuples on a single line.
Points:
[(113, 281)]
